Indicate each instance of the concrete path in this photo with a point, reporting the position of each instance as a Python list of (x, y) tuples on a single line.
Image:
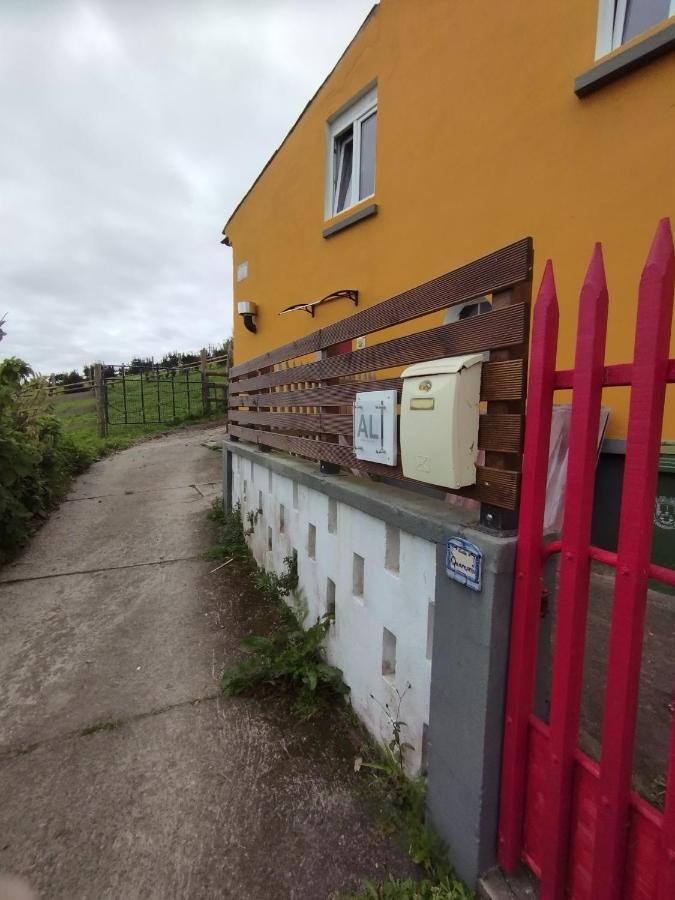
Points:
[(123, 771)]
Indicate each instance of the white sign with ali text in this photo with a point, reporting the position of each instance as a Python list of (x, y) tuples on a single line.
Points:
[(375, 435)]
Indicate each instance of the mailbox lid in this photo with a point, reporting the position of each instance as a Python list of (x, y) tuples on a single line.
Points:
[(449, 365)]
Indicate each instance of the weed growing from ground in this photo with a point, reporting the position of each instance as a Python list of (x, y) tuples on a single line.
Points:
[(292, 658), (231, 538), (401, 812), (447, 888)]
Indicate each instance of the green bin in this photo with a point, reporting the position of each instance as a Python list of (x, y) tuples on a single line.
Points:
[(663, 540)]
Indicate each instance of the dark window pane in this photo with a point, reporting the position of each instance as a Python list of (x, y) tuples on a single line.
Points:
[(367, 168), (642, 14), (344, 152)]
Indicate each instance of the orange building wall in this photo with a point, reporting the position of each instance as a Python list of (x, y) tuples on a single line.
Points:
[(481, 140)]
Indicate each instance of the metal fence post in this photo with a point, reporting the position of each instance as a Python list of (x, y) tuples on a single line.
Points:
[(99, 394)]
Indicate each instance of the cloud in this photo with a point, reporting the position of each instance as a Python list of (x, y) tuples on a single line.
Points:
[(130, 131)]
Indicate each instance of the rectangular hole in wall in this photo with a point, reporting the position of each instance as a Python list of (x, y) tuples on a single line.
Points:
[(425, 748), (311, 541), (388, 653), (330, 598), (245, 491), (357, 576), (252, 472), (332, 515), (296, 495), (392, 552), (269, 537), (260, 506), (282, 518), (269, 481), (431, 609)]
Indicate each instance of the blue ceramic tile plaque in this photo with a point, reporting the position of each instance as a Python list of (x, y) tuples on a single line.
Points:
[(464, 563)]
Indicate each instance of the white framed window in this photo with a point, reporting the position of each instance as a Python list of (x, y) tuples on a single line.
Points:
[(350, 157), (621, 20)]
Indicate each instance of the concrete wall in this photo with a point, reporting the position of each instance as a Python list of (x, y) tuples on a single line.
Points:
[(377, 553), (379, 578)]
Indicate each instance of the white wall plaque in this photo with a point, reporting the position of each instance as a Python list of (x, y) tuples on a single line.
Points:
[(242, 271), (375, 438)]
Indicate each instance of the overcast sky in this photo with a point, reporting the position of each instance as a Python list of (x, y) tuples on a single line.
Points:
[(129, 130)]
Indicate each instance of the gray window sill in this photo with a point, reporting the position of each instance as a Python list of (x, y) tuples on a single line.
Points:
[(364, 213), (628, 60)]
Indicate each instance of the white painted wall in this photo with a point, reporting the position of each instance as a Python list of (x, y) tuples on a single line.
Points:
[(398, 601)]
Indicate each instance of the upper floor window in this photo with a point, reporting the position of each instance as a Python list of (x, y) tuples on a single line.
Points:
[(621, 20), (351, 154)]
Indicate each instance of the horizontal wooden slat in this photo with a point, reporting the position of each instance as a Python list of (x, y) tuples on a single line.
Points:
[(501, 328), (504, 380), (321, 423), (496, 431), (502, 432), (329, 395), (499, 381), (502, 269), (498, 487)]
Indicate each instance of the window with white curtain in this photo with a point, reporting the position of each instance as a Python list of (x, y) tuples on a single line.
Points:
[(621, 20), (350, 175)]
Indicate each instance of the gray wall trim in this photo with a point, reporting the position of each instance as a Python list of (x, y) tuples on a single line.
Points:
[(631, 58), (355, 217), (426, 517)]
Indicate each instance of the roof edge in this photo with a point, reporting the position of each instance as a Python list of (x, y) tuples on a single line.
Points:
[(297, 121)]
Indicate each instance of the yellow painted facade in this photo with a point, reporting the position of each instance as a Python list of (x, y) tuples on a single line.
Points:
[(481, 140)]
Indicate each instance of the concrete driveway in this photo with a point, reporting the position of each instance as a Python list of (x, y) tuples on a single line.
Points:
[(123, 771)]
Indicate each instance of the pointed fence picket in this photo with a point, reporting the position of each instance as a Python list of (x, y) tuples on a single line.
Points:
[(577, 823)]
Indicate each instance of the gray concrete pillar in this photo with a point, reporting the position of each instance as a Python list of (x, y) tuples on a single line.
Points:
[(468, 681)]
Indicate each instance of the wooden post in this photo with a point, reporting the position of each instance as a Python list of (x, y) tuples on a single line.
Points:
[(99, 393), (206, 404)]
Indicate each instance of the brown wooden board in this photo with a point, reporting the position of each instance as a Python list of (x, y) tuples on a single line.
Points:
[(498, 487), (500, 328), (502, 432), (499, 381), (502, 269)]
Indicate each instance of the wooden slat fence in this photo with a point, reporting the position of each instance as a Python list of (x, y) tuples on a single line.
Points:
[(288, 401)]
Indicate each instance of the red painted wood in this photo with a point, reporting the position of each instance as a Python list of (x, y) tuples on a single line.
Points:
[(644, 826), (666, 874), (568, 661), (527, 591), (658, 573), (650, 367), (614, 376)]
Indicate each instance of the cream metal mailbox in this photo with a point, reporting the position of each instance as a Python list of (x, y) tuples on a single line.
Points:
[(439, 420)]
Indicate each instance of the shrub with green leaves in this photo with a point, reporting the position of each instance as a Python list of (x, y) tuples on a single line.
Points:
[(37, 460)]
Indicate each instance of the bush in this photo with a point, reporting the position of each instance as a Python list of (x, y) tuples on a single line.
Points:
[(36, 460)]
